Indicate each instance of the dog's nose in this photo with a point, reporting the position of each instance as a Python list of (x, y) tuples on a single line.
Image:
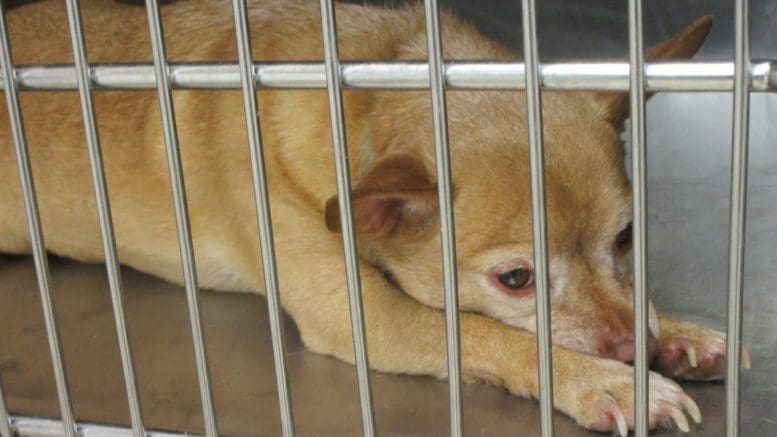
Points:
[(622, 348)]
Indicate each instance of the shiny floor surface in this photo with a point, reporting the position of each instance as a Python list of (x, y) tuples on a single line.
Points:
[(689, 152)]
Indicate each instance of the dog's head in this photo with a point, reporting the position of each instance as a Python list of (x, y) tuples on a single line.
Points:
[(588, 206)]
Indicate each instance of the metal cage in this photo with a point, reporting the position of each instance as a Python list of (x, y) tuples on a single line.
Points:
[(740, 77)]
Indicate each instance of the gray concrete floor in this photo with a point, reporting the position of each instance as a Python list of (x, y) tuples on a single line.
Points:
[(689, 151)]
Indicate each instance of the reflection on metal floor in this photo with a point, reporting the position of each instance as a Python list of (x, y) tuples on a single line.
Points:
[(689, 152)]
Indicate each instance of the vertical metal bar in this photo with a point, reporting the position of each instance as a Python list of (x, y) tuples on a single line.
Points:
[(447, 222), (539, 223), (740, 132), (36, 233), (104, 213), (639, 223), (181, 211), (335, 93), (6, 427), (264, 217)]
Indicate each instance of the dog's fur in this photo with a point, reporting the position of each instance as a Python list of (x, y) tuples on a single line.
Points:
[(395, 199)]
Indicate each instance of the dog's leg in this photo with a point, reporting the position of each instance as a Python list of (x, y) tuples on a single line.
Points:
[(692, 352), (405, 336)]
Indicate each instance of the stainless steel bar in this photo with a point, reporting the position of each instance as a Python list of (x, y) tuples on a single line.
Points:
[(740, 133), (639, 220), (181, 212), (6, 429), (340, 145), (608, 76), (539, 223), (104, 213), (36, 233), (447, 221), (39, 427), (263, 214)]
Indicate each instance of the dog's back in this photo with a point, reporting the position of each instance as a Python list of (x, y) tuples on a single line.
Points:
[(210, 127)]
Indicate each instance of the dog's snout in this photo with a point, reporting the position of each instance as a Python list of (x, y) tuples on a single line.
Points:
[(621, 348)]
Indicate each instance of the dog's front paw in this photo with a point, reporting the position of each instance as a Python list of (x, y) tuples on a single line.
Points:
[(602, 399), (692, 352)]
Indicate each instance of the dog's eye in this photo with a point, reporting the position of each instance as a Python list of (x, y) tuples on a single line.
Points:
[(516, 279), (623, 240)]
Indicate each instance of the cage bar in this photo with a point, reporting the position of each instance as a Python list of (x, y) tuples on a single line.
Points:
[(177, 186), (447, 222), (740, 132), (264, 216), (104, 214), (639, 220), (335, 94), (5, 419), (539, 223), (586, 76), (36, 233)]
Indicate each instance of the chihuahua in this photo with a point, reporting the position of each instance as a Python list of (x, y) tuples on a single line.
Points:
[(395, 199)]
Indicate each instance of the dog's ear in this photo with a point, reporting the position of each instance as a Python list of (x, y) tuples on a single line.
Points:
[(681, 46), (396, 193)]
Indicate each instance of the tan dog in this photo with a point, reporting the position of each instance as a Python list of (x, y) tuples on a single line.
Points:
[(395, 200)]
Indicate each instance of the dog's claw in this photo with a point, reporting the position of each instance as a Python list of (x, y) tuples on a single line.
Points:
[(692, 408), (691, 352), (620, 422), (679, 419), (745, 358)]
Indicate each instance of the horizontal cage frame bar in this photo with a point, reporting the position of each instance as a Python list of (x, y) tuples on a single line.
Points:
[(606, 76)]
